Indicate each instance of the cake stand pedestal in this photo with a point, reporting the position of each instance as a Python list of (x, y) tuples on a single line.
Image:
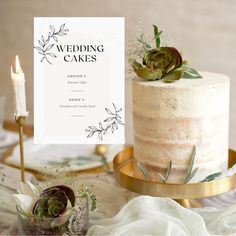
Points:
[(185, 194)]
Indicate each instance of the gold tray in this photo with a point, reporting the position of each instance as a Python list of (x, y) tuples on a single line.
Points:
[(123, 171)]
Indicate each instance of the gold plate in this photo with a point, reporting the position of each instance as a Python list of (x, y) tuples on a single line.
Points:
[(123, 170)]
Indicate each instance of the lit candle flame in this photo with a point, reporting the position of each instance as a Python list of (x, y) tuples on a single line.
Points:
[(18, 68)]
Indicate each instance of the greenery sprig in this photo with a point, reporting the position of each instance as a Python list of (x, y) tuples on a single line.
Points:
[(44, 47), (162, 62), (190, 171), (189, 174), (111, 123), (166, 177)]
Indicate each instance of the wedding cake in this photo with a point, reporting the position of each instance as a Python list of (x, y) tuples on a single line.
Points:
[(173, 120)]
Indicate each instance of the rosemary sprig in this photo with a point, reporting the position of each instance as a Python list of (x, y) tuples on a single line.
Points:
[(211, 177), (190, 171), (143, 169), (165, 178)]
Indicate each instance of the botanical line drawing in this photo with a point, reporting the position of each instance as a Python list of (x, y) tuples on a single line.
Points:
[(111, 123), (44, 43)]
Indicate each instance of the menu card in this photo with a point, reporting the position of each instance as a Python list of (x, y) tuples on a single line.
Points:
[(79, 80)]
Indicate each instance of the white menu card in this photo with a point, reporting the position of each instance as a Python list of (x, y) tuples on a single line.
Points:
[(79, 80)]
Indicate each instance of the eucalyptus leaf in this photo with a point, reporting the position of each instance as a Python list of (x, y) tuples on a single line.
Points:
[(190, 73)]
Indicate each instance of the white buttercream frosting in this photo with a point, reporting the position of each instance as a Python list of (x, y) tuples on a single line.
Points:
[(171, 118)]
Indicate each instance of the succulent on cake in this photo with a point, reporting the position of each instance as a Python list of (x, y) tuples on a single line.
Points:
[(164, 63)]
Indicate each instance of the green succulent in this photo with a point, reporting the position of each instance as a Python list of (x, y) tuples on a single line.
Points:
[(163, 63), (53, 202)]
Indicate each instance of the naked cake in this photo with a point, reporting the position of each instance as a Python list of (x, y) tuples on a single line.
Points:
[(180, 116), (170, 120)]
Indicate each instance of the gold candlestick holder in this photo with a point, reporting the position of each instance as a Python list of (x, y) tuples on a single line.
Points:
[(20, 122)]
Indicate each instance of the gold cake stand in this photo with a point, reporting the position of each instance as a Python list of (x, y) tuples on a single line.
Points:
[(185, 194)]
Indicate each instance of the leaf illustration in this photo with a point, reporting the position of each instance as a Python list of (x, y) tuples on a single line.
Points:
[(100, 135), (43, 40), (109, 111), (38, 48), (119, 110), (42, 59), (40, 43), (52, 28), (118, 116), (115, 125), (90, 134), (62, 27), (61, 34), (109, 119), (119, 122), (55, 38), (66, 30), (51, 54), (93, 127), (114, 106), (49, 47)]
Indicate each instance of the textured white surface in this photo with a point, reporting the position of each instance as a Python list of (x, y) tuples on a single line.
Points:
[(170, 119)]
